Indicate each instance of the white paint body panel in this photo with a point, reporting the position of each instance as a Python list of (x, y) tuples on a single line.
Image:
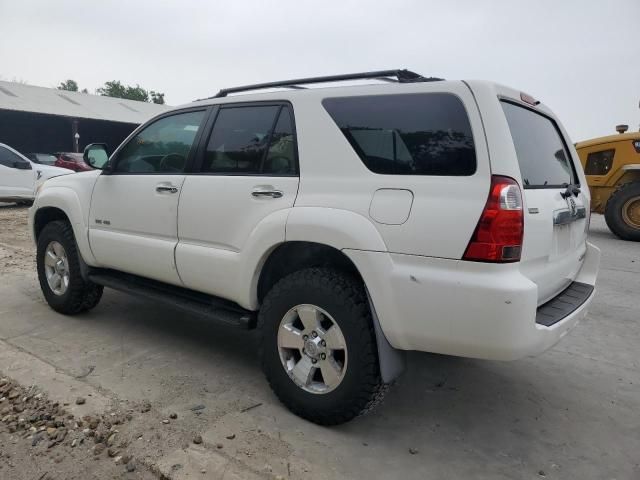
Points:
[(213, 236), (143, 225), (224, 231)]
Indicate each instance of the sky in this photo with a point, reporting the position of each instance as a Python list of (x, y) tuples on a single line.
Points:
[(579, 57)]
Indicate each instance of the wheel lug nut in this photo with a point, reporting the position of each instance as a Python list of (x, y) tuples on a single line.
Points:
[(314, 334), (323, 356), (313, 360), (323, 343), (305, 337)]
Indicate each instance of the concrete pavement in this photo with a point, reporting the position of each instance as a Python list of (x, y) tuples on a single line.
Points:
[(572, 412)]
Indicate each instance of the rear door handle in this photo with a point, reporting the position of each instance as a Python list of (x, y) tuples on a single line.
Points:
[(166, 188), (269, 193)]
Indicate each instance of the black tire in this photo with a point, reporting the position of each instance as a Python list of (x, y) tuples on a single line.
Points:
[(614, 215), (80, 295), (342, 297)]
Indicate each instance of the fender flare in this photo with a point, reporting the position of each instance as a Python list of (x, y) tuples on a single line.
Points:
[(66, 199), (337, 228), (343, 229)]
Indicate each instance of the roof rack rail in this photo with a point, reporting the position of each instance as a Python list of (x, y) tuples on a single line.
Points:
[(401, 75)]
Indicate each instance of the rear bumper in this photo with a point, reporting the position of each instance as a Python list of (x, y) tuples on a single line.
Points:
[(465, 308)]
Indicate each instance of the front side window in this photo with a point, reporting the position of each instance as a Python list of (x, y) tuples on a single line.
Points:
[(411, 134), (543, 158), (253, 140), (10, 159), (162, 147), (599, 163)]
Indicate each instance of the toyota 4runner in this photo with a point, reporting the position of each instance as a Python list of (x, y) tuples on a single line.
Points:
[(347, 224)]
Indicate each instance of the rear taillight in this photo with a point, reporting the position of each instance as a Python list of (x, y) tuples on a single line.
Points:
[(498, 236)]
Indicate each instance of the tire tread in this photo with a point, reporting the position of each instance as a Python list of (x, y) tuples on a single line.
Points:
[(82, 295), (613, 212), (372, 390)]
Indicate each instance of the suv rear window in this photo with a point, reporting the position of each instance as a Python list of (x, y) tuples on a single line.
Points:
[(412, 134), (542, 155)]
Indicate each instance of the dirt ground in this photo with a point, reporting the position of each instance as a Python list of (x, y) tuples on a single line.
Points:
[(16, 247), (571, 413)]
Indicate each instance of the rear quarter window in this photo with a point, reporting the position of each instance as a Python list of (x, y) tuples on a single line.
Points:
[(410, 134), (542, 154)]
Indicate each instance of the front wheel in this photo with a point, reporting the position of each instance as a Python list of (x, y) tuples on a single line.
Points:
[(622, 212), (318, 346), (58, 263)]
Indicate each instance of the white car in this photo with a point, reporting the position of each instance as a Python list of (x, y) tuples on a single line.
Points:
[(20, 177), (347, 224)]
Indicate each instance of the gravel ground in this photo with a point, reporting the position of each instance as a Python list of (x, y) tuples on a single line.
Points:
[(16, 248), (41, 439)]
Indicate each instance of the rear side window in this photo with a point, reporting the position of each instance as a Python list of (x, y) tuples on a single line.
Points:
[(542, 155), (599, 163), (251, 140), (414, 134)]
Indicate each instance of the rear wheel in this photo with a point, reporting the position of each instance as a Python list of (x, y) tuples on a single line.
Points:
[(58, 264), (622, 212), (318, 346)]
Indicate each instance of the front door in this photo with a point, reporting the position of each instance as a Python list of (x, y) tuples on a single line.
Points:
[(133, 216), (239, 195), (16, 175)]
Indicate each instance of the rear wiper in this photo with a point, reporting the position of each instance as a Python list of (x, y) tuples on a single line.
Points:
[(571, 189)]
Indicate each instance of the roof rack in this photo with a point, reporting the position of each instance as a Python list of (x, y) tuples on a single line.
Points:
[(401, 76)]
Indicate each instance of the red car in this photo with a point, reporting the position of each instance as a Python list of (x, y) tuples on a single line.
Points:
[(72, 161)]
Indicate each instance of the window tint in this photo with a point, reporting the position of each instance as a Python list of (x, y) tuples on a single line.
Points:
[(242, 142), (8, 158), (542, 156), (599, 163), (416, 134), (162, 147), (281, 158)]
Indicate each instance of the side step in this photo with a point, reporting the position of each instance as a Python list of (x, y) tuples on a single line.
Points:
[(213, 308)]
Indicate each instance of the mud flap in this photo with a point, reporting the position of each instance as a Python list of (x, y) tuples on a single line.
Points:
[(393, 362)]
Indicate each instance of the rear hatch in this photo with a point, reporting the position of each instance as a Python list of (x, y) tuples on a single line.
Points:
[(555, 205)]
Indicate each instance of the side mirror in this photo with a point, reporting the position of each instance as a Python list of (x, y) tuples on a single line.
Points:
[(95, 155), (22, 165)]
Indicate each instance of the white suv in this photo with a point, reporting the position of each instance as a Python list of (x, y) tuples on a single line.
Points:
[(348, 224)]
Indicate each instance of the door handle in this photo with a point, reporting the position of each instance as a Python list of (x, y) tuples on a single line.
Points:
[(166, 188), (269, 193)]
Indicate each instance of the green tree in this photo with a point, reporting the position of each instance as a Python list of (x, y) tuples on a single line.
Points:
[(69, 85), (157, 97), (116, 89)]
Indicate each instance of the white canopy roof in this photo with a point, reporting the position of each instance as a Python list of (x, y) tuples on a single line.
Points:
[(28, 98)]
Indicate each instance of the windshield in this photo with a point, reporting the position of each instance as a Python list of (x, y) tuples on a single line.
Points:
[(542, 155)]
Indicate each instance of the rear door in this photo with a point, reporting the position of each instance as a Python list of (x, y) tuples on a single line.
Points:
[(247, 175), (555, 228)]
